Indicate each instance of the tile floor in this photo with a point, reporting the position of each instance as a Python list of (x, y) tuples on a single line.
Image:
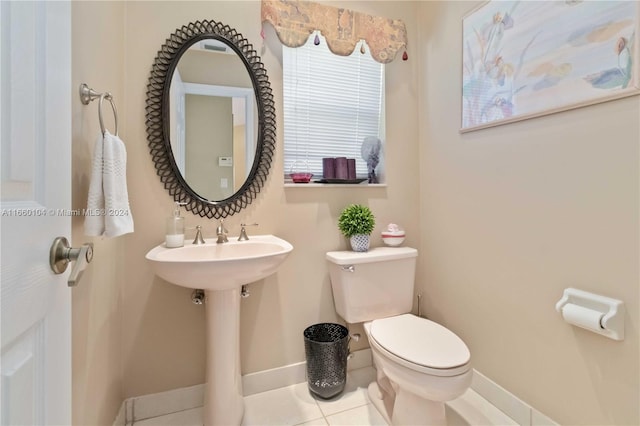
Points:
[(294, 405)]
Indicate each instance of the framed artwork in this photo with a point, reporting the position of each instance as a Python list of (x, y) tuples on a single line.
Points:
[(523, 59)]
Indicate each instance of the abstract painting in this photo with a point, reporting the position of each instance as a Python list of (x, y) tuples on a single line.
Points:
[(523, 59)]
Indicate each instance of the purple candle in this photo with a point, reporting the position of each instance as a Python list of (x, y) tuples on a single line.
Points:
[(351, 168), (329, 168), (342, 171)]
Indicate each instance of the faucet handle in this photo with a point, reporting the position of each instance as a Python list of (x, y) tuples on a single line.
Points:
[(243, 232)]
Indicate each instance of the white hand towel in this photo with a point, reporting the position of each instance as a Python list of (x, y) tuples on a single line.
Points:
[(93, 219), (108, 212)]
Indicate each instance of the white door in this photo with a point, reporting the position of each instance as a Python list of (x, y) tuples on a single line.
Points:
[(35, 75)]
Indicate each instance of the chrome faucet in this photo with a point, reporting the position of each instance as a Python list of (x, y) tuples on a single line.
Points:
[(198, 239), (221, 232)]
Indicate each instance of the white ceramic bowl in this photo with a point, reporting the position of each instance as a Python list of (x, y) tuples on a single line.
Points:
[(393, 238)]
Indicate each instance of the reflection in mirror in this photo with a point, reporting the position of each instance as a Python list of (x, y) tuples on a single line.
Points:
[(164, 134), (213, 119)]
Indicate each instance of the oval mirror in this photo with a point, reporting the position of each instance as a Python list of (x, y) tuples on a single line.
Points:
[(210, 119)]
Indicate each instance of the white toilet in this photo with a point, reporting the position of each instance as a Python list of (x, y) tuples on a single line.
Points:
[(420, 364)]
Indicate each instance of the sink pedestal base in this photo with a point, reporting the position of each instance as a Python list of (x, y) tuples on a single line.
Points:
[(223, 399)]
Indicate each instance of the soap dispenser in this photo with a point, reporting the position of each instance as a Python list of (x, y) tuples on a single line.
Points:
[(175, 228)]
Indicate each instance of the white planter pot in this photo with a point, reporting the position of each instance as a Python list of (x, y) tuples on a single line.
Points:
[(359, 242)]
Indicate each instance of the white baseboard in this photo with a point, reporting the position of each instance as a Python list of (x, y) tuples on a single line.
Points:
[(293, 374), (274, 378), (485, 400), (522, 413), (162, 403)]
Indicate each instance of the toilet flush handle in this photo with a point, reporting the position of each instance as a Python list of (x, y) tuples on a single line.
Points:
[(349, 268), (355, 337)]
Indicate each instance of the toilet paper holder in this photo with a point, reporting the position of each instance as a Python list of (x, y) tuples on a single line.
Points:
[(611, 322)]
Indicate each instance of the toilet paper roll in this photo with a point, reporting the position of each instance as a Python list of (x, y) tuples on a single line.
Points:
[(582, 317)]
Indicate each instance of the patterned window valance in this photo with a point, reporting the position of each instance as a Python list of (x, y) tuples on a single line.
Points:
[(294, 21)]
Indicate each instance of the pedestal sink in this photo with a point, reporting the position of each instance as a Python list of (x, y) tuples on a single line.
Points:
[(221, 270)]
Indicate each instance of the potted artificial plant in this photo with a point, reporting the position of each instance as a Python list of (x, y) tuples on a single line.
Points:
[(356, 222)]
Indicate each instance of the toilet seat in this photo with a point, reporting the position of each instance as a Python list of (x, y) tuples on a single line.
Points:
[(420, 344)]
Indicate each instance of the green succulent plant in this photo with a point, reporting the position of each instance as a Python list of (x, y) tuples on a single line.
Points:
[(356, 219)]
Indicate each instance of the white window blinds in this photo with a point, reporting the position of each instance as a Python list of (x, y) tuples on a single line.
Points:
[(331, 103)]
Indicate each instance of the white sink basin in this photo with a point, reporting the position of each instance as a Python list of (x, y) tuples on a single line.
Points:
[(225, 266)]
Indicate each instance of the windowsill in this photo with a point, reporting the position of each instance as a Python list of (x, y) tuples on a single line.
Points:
[(335, 185)]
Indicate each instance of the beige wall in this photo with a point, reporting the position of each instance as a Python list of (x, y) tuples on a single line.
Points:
[(98, 60), (163, 336), (512, 215), (504, 218)]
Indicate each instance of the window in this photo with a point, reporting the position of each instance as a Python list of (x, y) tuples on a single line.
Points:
[(331, 104)]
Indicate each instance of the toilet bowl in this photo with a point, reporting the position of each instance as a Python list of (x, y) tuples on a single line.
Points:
[(419, 364)]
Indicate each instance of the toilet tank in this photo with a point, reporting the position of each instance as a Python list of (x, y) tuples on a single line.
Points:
[(373, 284)]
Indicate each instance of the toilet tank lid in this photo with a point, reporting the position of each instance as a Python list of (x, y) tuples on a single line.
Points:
[(376, 254)]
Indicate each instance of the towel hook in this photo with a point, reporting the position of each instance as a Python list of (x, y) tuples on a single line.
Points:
[(87, 94)]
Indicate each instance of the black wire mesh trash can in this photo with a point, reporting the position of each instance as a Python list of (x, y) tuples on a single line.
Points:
[(326, 347)]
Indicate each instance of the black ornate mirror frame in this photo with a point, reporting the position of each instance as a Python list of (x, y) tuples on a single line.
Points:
[(157, 119)]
